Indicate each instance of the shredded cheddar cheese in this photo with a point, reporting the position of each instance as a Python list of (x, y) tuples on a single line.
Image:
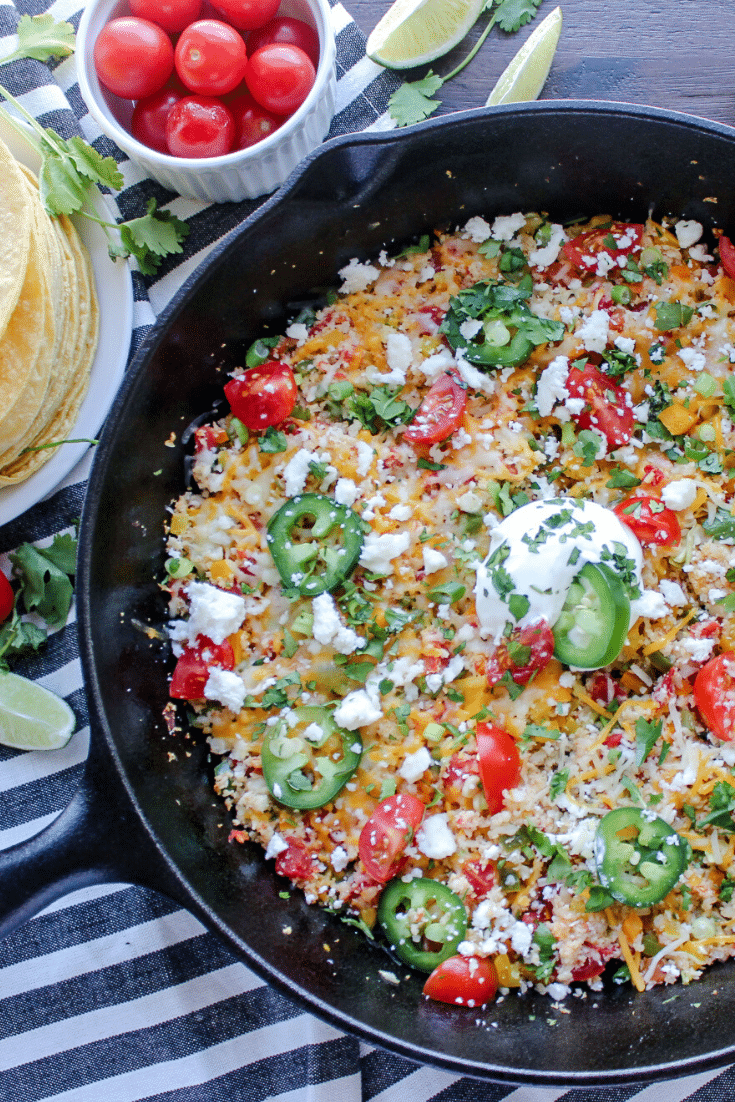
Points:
[(621, 396)]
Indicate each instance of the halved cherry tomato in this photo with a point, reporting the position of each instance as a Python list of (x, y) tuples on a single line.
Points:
[(286, 29), (199, 126), (616, 241), (500, 763), (461, 767), (210, 57), (605, 690), (714, 695), (440, 413), (133, 57), (463, 981), (608, 407), (192, 668), (649, 520), (481, 875), (264, 395), (727, 256), (594, 965), (7, 597), (522, 654), (280, 77), (295, 862), (387, 833)]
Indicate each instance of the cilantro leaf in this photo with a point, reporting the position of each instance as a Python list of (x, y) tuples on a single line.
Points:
[(47, 589), (41, 37), (672, 315), (728, 388), (558, 783), (722, 525), (722, 804), (545, 942), (412, 102), (511, 15), (156, 234), (622, 479), (646, 735)]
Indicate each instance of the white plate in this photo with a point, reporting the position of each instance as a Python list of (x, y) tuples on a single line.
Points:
[(115, 294)]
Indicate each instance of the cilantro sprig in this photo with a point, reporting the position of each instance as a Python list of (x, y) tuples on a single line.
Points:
[(42, 578), (72, 171), (41, 37), (416, 100)]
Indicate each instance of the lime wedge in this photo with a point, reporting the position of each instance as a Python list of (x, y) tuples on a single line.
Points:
[(31, 717), (526, 74), (413, 32)]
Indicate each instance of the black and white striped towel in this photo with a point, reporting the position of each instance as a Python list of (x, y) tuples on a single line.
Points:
[(114, 994)]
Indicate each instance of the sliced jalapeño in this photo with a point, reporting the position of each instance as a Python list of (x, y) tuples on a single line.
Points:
[(307, 759), (423, 920), (594, 621), (639, 857), (314, 542)]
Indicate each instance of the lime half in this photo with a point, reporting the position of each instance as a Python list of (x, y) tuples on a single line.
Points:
[(526, 74), (413, 32), (31, 717)]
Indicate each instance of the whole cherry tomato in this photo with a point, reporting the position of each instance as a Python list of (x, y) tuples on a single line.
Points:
[(247, 14), (714, 695), (294, 32), (463, 981), (199, 126), (7, 597), (500, 763), (263, 396), (440, 412), (252, 122), (211, 58), (148, 124), (133, 57), (649, 520), (280, 77), (172, 15), (386, 834), (192, 668), (608, 407)]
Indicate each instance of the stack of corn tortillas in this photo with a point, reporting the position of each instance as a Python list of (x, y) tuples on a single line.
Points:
[(48, 324)]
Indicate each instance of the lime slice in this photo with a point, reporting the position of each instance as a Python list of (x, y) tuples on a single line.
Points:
[(31, 717), (526, 74), (413, 32)]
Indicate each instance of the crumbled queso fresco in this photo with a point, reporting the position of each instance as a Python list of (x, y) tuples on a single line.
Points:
[(457, 616)]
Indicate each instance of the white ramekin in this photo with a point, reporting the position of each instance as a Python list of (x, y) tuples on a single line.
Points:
[(245, 174)]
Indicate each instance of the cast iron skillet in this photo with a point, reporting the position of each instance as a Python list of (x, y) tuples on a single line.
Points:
[(143, 816)]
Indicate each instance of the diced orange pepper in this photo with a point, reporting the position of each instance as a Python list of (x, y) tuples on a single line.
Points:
[(677, 419)]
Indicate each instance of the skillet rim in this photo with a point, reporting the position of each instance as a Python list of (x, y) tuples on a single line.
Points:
[(147, 347)]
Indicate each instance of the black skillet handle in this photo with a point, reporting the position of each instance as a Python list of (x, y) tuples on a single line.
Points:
[(96, 839)]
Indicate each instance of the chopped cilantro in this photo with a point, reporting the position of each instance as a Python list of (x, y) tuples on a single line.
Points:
[(672, 315)]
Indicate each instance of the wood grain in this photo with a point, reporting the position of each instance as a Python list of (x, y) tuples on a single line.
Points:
[(675, 54)]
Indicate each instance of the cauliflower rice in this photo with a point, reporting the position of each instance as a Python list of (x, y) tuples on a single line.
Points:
[(396, 652)]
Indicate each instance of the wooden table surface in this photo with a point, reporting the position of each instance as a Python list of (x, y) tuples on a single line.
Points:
[(676, 54)]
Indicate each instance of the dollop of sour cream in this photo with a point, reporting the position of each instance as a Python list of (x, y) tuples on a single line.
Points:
[(535, 554)]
